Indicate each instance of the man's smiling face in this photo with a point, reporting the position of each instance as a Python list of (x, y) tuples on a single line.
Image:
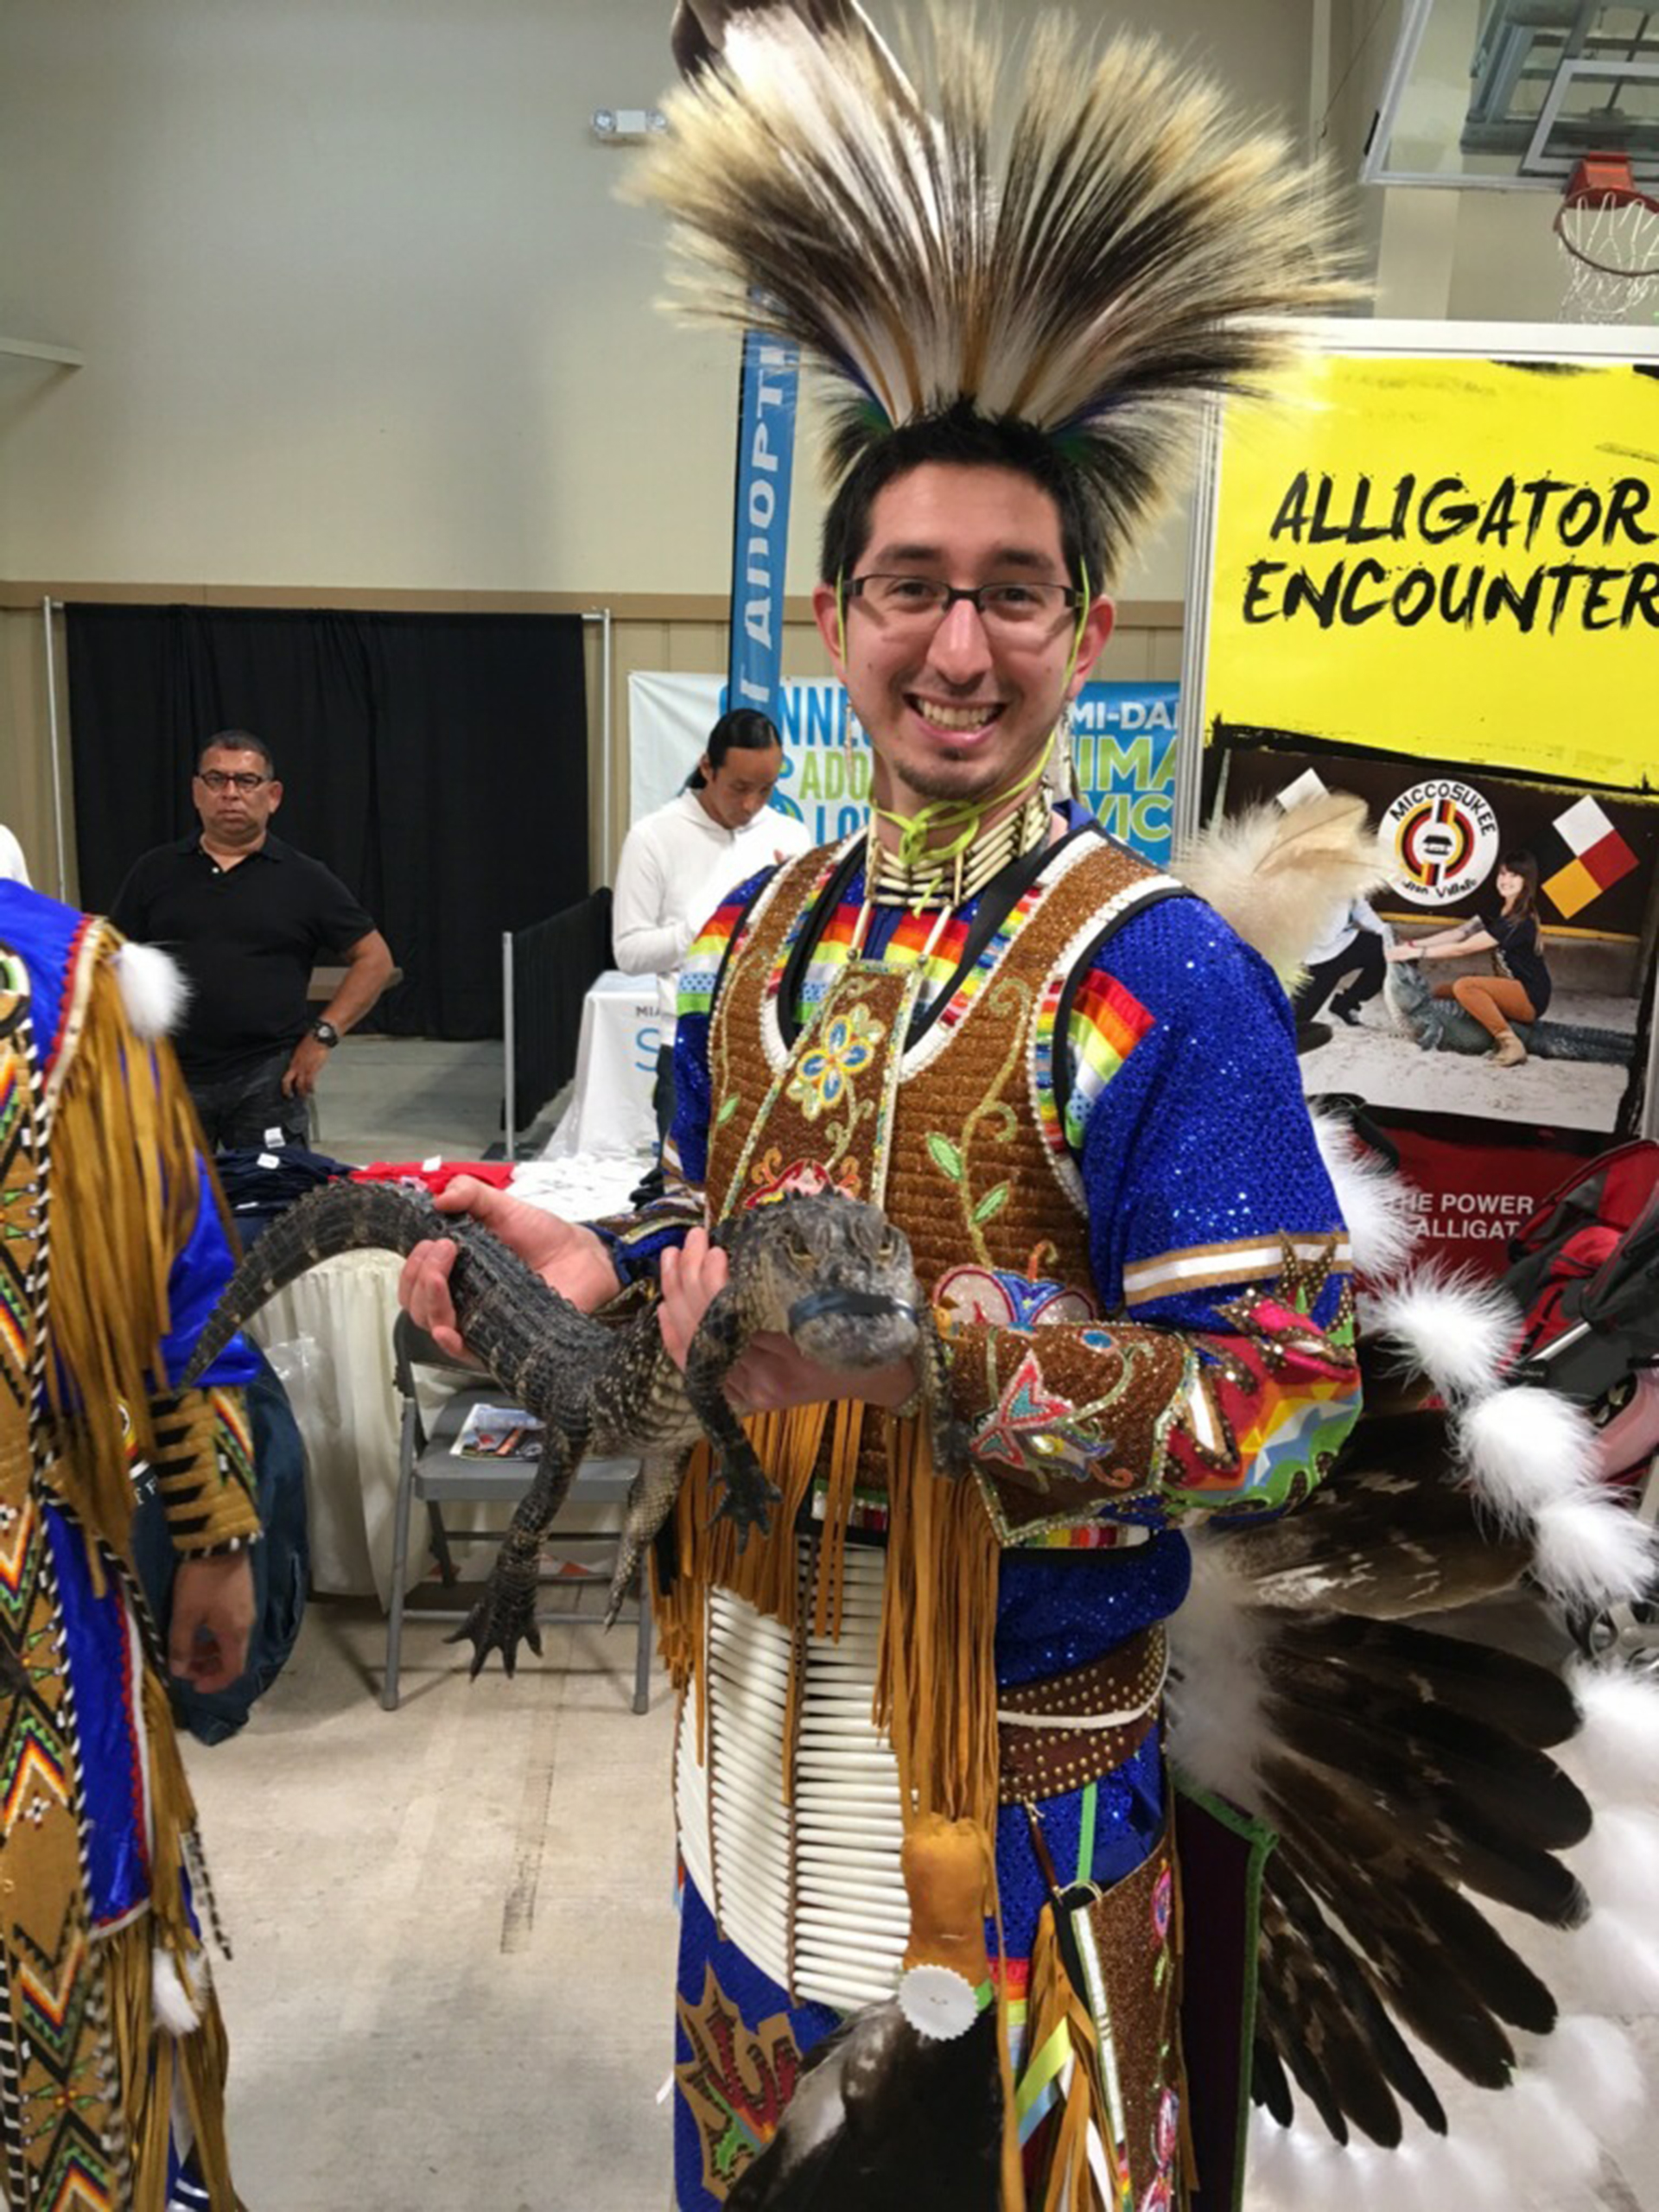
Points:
[(955, 711)]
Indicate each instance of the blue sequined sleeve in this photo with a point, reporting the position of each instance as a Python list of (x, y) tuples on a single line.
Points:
[(200, 1272), (1221, 1378)]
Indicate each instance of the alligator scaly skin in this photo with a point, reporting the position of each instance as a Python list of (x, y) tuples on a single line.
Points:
[(830, 1273)]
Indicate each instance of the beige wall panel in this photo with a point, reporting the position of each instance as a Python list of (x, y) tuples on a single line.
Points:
[(26, 781), (360, 306)]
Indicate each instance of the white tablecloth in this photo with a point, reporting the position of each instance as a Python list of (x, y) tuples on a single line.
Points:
[(329, 1337), (616, 1065)]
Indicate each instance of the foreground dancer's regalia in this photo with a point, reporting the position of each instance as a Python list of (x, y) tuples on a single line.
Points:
[(945, 1941), (111, 2053)]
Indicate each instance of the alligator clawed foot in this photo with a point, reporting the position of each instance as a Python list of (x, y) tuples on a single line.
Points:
[(500, 1621), (748, 1503)]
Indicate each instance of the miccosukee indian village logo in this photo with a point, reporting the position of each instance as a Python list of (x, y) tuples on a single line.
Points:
[(1445, 838)]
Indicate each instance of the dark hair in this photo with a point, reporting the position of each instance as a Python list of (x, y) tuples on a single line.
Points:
[(961, 439), (743, 729), (1526, 867), (237, 740)]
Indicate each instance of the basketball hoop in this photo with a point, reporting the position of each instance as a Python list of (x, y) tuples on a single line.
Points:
[(1608, 230)]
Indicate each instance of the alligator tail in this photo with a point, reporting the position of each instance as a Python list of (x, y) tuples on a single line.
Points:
[(343, 1217)]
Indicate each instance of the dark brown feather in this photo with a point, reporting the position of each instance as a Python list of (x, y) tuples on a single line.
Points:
[(1439, 1964), (1529, 1702)]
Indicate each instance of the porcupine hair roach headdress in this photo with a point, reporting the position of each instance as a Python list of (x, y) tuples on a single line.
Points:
[(1051, 290)]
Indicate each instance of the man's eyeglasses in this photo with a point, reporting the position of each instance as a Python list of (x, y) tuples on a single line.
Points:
[(923, 602), (242, 779)]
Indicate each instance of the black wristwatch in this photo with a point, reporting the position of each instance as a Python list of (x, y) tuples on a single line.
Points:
[(325, 1033)]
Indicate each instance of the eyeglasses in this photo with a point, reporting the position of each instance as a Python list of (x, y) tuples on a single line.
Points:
[(923, 602), (243, 780)]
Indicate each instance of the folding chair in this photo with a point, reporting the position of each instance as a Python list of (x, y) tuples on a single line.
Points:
[(428, 1470)]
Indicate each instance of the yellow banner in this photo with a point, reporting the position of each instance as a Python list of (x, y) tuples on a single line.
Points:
[(1456, 560)]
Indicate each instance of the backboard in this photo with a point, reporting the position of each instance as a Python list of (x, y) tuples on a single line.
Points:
[(1512, 95)]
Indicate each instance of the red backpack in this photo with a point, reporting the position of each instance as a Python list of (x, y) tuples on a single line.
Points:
[(1585, 1271)]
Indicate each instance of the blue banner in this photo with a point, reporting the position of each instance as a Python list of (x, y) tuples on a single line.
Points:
[(1123, 745), (766, 460)]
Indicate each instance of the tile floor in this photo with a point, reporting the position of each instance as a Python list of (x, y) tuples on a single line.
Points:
[(453, 1924)]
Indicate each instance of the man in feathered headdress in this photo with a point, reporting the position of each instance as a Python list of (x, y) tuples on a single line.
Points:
[(1074, 1087), (112, 1254)]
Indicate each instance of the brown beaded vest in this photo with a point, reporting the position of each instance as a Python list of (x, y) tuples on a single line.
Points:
[(952, 1127)]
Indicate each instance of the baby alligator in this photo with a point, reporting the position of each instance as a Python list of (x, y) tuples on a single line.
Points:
[(830, 1273)]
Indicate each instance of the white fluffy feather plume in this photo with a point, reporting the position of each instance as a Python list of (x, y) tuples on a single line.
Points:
[(1216, 1730), (1116, 244), (1374, 1201), (1532, 1457), (1458, 1331), (1526, 1449), (176, 2007), (1277, 874), (153, 988)]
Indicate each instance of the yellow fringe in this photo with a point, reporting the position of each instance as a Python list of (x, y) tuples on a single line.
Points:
[(765, 1571), (125, 1183), (1052, 2001), (936, 1681)]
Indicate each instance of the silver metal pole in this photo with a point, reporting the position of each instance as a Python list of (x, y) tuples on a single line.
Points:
[(509, 1092), (46, 607), (1195, 637), (603, 616)]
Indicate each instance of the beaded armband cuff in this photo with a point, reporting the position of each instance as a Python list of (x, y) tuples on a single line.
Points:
[(1066, 1409), (203, 1464)]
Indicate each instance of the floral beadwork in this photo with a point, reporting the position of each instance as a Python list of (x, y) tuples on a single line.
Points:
[(1006, 1300), (1167, 2138), (846, 1043), (804, 1178)]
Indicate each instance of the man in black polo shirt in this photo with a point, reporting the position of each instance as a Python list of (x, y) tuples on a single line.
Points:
[(248, 918)]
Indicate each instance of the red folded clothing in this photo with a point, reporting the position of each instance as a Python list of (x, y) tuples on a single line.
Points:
[(497, 1172)]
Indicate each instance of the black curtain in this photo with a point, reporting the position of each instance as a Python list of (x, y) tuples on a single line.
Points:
[(436, 762), (553, 963)]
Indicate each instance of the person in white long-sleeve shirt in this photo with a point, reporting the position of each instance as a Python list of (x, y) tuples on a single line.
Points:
[(1354, 945), (678, 862)]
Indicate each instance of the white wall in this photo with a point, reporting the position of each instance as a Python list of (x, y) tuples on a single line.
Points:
[(359, 308)]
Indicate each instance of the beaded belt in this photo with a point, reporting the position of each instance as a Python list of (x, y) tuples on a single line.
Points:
[(1068, 1731)]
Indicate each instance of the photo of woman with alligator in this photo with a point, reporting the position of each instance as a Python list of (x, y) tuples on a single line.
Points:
[(1521, 920), (1521, 989)]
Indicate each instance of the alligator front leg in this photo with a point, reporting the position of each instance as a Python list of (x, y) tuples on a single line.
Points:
[(713, 1352), (952, 1449), (505, 1616)]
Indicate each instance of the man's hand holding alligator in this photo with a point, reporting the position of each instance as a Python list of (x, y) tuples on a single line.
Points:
[(770, 1373), (568, 1258)]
